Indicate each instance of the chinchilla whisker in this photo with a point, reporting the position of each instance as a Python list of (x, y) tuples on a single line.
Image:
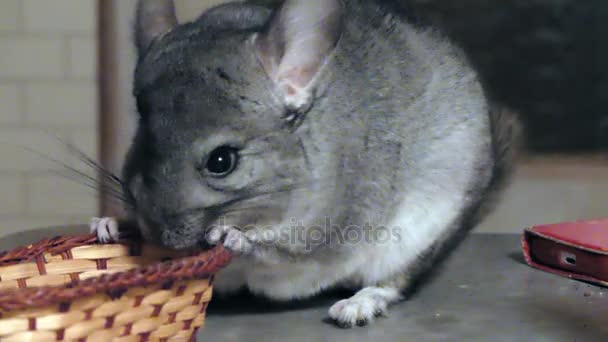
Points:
[(264, 136), (251, 153), (113, 186), (240, 209), (80, 174), (94, 185), (90, 162), (83, 157), (253, 196), (260, 194), (82, 178), (250, 196), (198, 219)]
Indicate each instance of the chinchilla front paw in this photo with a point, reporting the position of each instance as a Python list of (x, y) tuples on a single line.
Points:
[(234, 240), (362, 308), (106, 229)]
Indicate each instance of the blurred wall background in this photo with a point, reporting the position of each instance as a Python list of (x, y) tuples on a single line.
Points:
[(48, 89)]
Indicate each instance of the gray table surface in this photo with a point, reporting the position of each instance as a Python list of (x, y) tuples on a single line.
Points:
[(484, 292)]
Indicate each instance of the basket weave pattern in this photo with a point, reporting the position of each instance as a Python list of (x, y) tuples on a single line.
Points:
[(73, 289)]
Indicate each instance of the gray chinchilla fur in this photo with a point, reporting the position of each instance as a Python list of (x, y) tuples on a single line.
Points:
[(326, 143)]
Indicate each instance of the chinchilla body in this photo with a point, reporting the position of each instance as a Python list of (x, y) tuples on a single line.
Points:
[(326, 143)]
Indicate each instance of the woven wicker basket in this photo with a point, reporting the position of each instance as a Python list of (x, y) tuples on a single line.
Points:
[(74, 289)]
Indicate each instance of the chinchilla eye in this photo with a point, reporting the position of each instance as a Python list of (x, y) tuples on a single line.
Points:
[(222, 161)]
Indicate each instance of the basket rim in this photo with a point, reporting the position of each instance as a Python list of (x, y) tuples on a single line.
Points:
[(200, 265)]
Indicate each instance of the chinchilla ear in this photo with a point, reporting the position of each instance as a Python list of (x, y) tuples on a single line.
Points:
[(299, 38), (153, 18)]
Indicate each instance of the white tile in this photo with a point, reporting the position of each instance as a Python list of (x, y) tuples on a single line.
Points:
[(60, 15), (10, 15), (9, 104), (53, 196), (61, 104), (24, 58), (83, 58), (12, 194)]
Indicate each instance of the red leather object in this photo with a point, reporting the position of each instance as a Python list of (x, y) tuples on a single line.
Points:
[(577, 250)]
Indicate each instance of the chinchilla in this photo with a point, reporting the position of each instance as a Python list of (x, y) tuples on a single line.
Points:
[(326, 143)]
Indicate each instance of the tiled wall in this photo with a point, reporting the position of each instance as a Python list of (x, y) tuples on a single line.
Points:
[(47, 89)]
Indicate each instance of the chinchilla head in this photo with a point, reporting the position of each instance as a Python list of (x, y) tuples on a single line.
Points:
[(223, 105)]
